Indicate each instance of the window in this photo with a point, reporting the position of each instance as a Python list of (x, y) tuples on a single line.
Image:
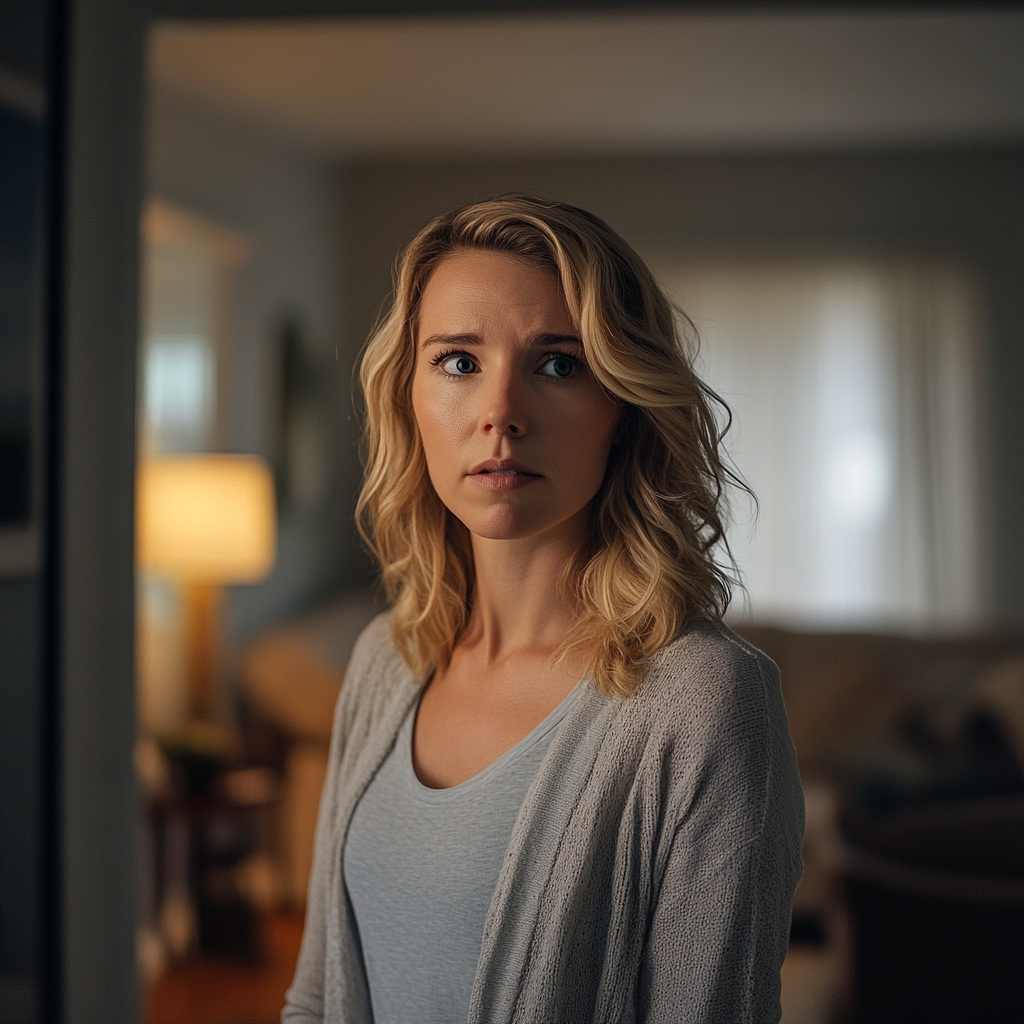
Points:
[(853, 387), (188, 271)]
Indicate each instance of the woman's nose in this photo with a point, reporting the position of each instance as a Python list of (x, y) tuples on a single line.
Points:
[(502, 411)]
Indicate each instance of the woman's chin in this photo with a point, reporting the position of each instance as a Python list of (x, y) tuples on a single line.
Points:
[(509, 528), (508, 523)]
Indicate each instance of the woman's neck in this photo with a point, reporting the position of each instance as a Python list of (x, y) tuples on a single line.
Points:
[(519, 603)]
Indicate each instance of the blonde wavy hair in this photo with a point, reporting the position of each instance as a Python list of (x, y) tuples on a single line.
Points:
[(648, 563)]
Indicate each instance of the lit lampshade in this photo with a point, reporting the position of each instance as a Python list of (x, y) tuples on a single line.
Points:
[(206, 518)]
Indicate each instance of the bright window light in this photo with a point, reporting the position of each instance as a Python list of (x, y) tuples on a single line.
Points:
[(853, 392), (180, 388)]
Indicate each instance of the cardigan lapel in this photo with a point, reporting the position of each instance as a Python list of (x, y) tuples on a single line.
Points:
[(344, 969), (539, 827)]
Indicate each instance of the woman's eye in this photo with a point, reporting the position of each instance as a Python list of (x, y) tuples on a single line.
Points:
[(561, 367), (458, 365)]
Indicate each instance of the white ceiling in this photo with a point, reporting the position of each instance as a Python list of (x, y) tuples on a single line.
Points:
[(659, 81)]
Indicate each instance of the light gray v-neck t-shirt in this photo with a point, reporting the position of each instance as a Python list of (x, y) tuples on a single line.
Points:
[(421, 866)]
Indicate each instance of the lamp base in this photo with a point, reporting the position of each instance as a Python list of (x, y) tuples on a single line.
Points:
[(202, 612)]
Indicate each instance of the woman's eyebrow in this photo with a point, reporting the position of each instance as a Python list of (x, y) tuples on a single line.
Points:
[(475, 339), (452, 339), (556, 339)]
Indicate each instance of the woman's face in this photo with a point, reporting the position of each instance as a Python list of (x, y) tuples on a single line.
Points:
[(515, 428)]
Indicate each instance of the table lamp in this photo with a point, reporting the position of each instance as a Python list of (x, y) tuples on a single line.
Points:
[(204, 521)]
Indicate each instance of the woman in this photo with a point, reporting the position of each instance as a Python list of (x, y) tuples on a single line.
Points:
[(560, 789)]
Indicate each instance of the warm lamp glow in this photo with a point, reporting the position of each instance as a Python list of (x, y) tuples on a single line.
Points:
[(206, 518)]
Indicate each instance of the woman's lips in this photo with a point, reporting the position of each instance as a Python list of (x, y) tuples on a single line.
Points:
[(502, 475)]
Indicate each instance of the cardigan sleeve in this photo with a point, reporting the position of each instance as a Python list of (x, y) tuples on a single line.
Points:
[(305, 999), (714, 955), (719, 927)]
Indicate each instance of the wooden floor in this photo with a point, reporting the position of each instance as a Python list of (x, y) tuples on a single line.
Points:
[(219, 992)]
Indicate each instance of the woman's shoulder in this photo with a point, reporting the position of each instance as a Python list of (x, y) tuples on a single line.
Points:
[(376, 669), (711, 682), (375, 644), (708, 656), (711, 706)]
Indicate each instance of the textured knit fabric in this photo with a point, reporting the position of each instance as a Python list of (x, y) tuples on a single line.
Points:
[(651, 869), (420, 868)]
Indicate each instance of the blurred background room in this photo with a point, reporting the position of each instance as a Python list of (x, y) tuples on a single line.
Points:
[(834, 196)]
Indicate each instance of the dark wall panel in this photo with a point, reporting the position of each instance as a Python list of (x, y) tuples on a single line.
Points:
[(21, 800), (95, 467), (26, 804)]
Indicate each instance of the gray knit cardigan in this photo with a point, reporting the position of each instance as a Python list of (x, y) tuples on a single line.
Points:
[(651, 869)]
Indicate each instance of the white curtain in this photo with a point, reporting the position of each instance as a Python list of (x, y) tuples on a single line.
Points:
[(854, 390)]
